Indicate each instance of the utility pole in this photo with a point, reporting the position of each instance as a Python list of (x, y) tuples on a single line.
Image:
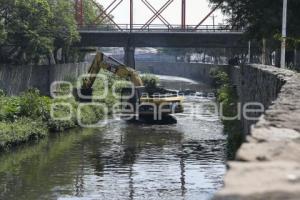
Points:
[(131, 15), (249, 52), (183, 15), (284, 25)]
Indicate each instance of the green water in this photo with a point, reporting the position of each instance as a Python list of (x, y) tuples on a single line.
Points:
[(121, 161)]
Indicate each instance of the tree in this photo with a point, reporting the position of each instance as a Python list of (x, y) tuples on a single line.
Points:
[(92, 10), (26, 22), (262, 20), (63, 28), (32, 30), (2, 33)]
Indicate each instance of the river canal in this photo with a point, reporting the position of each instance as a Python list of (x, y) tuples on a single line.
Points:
[(123, 161)]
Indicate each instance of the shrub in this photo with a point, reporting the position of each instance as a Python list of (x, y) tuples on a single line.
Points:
[(151, 83), (62, 112), (91, 114), (2, 93), (20, 131), (34, 106), (219, 77), (227, 95), (150, 80), (9, 108), (28, 116)]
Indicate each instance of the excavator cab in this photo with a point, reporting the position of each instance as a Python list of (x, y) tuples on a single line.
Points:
[(131, 101), (132, 95)]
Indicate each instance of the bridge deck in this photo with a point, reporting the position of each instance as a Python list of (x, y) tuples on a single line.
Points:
[(161, 39), (153, 35)]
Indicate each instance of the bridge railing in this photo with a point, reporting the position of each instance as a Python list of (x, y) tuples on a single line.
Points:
[(159, 28)]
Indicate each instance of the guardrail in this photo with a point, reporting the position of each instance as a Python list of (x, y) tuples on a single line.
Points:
[(159, 28)]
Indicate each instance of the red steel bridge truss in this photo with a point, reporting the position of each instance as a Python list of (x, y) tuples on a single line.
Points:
[(106, 13)]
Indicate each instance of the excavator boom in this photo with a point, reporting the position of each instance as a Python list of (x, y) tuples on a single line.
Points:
[(144, 106), (102, 61)]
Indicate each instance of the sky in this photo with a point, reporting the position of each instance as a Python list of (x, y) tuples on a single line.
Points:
[(196, 10)]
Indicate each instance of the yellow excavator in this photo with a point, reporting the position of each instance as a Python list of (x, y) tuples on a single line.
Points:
[(141, 104)]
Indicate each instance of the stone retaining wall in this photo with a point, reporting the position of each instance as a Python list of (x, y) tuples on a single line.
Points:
[(268, 164), (255, 84), (16, 79)]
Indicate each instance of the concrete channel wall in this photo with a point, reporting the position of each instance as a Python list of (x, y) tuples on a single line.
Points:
[(267, 166), (195, 71), (17, 79)]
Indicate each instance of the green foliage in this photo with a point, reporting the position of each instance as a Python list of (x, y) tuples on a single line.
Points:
[(113, 81), (92, 13), (38, 29), (27, 25), (120, 84), (91, 114), (60, 111), (20, 131), (220, 77), (3, 33), (10, 108), (16, 113), (2, 93), (30, 104), (63, 28), (227, 96), (262, 18), (33, 105), (151, 83)]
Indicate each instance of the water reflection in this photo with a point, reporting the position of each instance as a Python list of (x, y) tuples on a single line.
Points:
[(120, 161)]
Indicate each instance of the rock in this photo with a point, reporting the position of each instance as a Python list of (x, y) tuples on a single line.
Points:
[(274, 134), (261, 180), (270, 151)]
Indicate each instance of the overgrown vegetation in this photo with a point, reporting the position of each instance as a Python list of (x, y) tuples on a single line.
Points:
[(151, 83), (35, 31), (28, 116), (21, 130), (262, 20), (227, 96)]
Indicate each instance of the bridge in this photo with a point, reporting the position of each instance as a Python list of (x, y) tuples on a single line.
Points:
[(160, 36), (130, 36)]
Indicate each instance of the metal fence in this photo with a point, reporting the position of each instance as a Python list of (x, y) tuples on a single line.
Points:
[(159, 28)]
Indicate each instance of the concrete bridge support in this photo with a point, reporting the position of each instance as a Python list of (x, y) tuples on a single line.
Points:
[(129, 58)]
